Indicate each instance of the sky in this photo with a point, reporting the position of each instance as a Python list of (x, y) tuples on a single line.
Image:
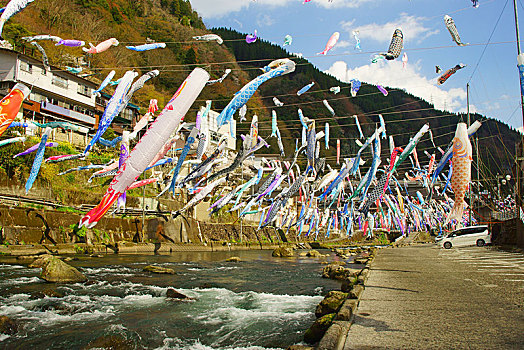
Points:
[(492, 75)]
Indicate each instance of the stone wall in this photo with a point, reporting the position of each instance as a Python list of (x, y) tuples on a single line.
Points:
[(33, 226)]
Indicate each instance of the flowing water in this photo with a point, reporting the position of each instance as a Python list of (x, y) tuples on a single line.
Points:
[(261, 302)]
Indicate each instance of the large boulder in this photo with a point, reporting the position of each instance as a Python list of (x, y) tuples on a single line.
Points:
[(8, 326), (55, 270), (41, 261), (337, 272), (111, 342), (331, 303), (159, 269), (317, 330), (283, 252)]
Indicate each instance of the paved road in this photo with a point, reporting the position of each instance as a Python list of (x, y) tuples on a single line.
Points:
[(423, 297)]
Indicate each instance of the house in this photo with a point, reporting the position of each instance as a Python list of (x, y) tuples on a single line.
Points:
[(58, 95)]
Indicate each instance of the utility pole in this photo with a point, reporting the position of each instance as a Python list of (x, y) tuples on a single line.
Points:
[(469, 123), (520, 65)]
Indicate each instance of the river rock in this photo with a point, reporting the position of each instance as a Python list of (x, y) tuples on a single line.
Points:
[(159, 269), (300, 347), (283, 252), (8, 326), (360, 260), (233, 259), (317, 330), (303, 255), (41, 261), (314, 254), (55, 270), (50, 293), (331, 303), (339, 252), (356, 291), (348, 284), (173, 294), (337, 272), (111, 342)]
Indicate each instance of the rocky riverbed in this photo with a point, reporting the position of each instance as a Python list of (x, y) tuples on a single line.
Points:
[(202, 301)]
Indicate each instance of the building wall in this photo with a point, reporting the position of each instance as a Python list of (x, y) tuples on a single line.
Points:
[(50, 81), (7, 66)]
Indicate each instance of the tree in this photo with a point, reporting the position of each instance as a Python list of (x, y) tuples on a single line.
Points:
[(190, 57), (175, 8)]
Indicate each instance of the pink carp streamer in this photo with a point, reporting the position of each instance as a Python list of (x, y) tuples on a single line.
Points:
[(149, 145)]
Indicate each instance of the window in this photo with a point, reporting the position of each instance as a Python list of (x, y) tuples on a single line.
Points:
[(127, 114), (26, 67), (84, 90), (59, 81)]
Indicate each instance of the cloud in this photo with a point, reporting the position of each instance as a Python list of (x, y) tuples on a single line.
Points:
[(413, 29), (265, 21), (341, 3), (392, 75), (220, 8), (342, 43)]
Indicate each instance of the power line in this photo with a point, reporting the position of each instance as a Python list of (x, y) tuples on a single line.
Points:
[(489, 40)]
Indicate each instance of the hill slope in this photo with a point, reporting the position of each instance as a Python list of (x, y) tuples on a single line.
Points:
[(404, 113)]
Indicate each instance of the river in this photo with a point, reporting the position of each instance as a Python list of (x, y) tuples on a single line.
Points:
[(261, 302)]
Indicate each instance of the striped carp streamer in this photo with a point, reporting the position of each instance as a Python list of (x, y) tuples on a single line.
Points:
[(358, 126), (461, 171), (104, 83), (357, 39), (395, 46), (305, 88), (355, 86), (209, 37), (45, 60), (274, 126), (335, 89), (452, 28), (39, 158), (382, 125), (442, 79), (288, 40), (103, 46), (277, 102), (248, 90), (329, 108), (251, 38), (147, 47), (383, 90), (326, 135), (331, 43), (10, 105)]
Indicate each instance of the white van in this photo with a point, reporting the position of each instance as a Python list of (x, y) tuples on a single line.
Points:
[(467, 236)]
